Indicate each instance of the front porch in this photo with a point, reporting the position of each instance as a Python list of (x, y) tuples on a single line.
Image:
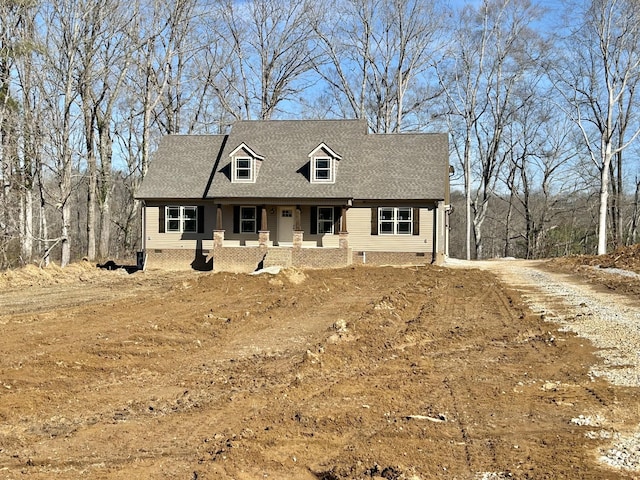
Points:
[(251, 255)]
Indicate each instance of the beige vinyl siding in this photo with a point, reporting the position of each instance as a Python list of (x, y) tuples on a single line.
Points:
[(361, 240), (178, 241)]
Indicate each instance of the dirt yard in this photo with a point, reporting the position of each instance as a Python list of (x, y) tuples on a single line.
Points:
[(357, 373)]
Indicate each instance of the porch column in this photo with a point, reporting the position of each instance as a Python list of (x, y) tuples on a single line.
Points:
[(297, 225), (263, 221), (219, 217), (343, 222), (218, 239), (343, 240), (263, 238), (263, 233), (298, 236)]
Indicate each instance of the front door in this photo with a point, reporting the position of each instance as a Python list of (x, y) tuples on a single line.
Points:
[(285, 225)]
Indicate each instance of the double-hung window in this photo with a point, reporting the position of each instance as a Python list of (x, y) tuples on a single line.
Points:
[(323, 162), (322, 170), (181, 219), (395, 221), (243, 169), (325, 220), (248, 219)]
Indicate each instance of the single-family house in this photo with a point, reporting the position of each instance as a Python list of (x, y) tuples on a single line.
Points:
[(303, 193)]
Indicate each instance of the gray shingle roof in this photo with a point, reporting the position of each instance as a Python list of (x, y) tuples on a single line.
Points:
[(373, 166)]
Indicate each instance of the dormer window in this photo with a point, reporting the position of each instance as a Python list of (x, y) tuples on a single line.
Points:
[(244, 164), (322, 170), (323, 164), (243, 169)]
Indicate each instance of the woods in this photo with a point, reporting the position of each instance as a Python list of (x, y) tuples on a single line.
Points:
[(539, 100)]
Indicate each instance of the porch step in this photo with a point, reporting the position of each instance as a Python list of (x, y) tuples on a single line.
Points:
[(278, 257)]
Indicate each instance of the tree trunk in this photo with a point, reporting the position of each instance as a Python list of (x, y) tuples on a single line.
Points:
[(604, 198), (105, 226)]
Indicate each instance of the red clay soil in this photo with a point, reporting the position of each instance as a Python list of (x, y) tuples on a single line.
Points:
[(356, 373)]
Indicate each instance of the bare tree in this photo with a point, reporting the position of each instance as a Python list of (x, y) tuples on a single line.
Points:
[(105, 55), (378, 56), (635, 214), (63, 40), (492, 50), (273, 49), (598, 79), (541, 170)]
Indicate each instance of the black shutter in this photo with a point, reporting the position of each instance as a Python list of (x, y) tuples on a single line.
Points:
[(336, 220), (313, 226), (416, 221), (200, 218), (258, 219), (236, 219), (374, 220), (161, 212)]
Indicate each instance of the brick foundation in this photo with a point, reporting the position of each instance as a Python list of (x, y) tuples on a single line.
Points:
[(238, 259), (249, 259), (392, 258), (168, 259)]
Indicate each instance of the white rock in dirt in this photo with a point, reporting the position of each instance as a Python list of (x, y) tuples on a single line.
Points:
[(588, 420), (340, 325)]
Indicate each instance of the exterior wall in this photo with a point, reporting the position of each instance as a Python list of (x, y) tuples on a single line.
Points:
[(196, 251), (154, 240), (361, 240), (177, 251)]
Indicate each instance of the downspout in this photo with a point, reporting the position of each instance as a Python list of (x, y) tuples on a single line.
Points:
[(436, 236), (143, 227)]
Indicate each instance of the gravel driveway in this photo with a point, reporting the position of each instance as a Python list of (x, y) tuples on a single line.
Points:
[(609, 320)]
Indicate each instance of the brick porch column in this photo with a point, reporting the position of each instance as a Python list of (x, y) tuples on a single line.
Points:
[(218, 239), (298, 236), (263, 238), (343, 240)]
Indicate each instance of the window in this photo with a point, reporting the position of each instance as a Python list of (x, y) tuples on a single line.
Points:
[(181, 219), (243, 169), (248, 219), (322, 170), (395, 221), (325, 220)]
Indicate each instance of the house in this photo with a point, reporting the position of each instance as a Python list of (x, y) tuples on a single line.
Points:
[(304, 193)]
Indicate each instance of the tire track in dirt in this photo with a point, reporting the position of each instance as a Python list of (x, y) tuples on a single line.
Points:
[(610, 322)]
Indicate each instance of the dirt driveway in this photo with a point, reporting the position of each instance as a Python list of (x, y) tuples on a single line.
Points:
[(357, 373)]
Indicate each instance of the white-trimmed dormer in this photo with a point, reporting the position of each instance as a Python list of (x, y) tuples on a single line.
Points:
[(245, 164), (323, 163)]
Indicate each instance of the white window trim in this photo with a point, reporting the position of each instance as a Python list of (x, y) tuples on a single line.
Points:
[(255, 219), (181, 219), (252, 170), (314, 170), (318, 229), (395, 221)]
